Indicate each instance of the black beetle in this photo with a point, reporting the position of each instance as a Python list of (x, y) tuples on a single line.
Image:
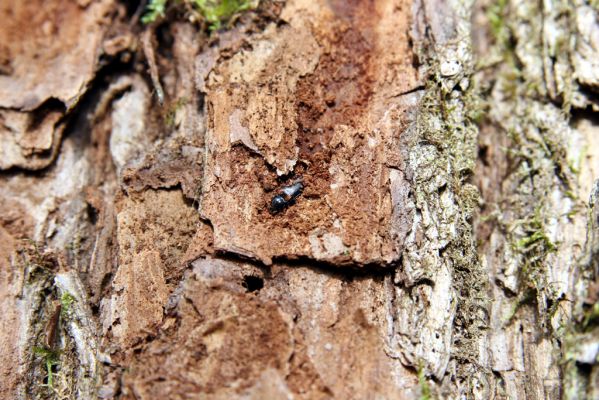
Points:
[(286, 197)]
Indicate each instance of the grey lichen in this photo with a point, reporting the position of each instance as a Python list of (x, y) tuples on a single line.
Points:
[(538, 80), (443, 286), (538, 130)]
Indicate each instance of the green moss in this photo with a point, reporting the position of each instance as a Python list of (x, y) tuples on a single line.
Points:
[(536, 238), (154, 11), (50, 358), (496, 14), (214, 12), (443, 152), (532, 245), (425, 389), (530, 106), (66, 301), (527, 110), (575, 163)]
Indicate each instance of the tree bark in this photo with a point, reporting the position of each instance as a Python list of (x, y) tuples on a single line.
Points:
[(436, 169)]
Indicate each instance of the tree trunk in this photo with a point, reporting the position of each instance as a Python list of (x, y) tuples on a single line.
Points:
[(307, 199)]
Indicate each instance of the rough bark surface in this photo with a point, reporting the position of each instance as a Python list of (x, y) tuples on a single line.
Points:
[(445, 243)]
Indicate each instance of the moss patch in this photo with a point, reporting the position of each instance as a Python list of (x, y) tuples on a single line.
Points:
[(214, 13)]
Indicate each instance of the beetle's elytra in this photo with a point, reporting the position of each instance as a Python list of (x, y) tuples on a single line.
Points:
[(286, 197)]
